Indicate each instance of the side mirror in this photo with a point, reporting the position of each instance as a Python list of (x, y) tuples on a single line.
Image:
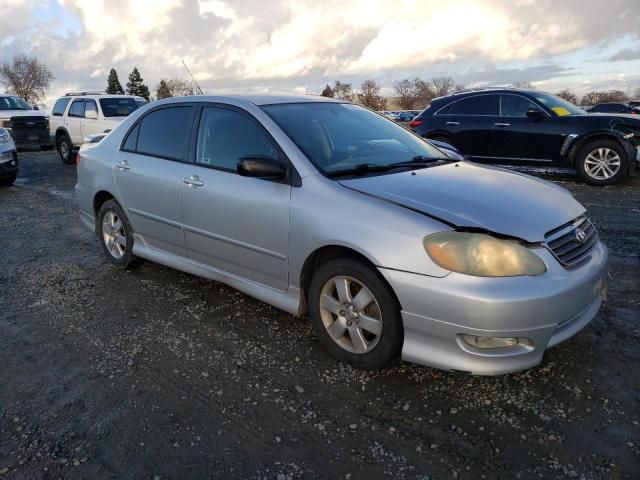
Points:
[(91, 114), (535, 113), (261, 167)]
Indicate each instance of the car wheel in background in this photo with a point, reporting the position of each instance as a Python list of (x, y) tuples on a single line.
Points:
[(355, 314), (116, 234), (602, 162), (65, 149), (8, 180)]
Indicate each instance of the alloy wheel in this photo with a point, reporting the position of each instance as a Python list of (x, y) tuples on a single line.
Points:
[(602, 163), (113, 234), (350, 314), (64, 149)]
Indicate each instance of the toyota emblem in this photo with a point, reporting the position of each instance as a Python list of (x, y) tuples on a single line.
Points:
[(580, 235)]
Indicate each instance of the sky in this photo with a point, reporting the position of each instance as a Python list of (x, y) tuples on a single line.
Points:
[(301, 45)]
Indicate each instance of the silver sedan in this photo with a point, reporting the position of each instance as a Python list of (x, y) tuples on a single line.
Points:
[(394, 247)]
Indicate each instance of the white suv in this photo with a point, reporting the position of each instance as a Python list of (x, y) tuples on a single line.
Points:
[(78, 115)]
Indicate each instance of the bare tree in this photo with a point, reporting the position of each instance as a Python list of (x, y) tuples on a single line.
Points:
[(343, 91), (424, 92), (441, 85), (523, 85), (370, 96), (174, 87), (407, 94), (568, 95), (327, 92), (459, 87), (26, 77), (594, 98), (636, 94)]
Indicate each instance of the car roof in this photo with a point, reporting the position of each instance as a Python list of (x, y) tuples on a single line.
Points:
[(260, 98), (482, 90)]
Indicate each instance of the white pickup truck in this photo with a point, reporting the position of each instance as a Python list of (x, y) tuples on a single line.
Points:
[(25, 124), (78, 115)]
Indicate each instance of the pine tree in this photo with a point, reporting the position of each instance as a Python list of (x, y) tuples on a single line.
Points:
[(162, 90), (135, 85), (113, 84), (327, 92)]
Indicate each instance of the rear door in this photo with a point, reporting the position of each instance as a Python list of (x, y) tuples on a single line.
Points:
[(74, 119), (88, 123), (470, 121), (233, 223), (149, 169), (521, 138)]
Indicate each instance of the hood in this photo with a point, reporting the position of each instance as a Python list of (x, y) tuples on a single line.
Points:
[(21, 113), (631, 118), (468, 195)]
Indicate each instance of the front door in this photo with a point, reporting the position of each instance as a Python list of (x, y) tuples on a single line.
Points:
[(149, 169), (236, 224)]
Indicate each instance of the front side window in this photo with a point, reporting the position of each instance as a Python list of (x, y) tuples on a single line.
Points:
[(77, 109), (90, 106), (13, 103), (226, 136), (59, 107), (476, 105), (163, 132), (118, 107), (337, 136), (515, 106)]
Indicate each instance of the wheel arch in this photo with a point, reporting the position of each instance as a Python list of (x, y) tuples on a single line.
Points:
[(583, 140), (99, 199), (324, 254), (60, 131)]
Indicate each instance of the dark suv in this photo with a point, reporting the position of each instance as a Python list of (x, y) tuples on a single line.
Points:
[(527, 126)]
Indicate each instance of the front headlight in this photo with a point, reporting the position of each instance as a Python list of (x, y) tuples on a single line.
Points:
[(482, 255), (4, 136)]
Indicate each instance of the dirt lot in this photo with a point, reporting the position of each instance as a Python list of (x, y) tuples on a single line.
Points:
[(153, 373)]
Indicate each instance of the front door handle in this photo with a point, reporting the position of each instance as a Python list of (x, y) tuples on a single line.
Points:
[(502, 124), (193, 181), (453, 123), (123, 165)]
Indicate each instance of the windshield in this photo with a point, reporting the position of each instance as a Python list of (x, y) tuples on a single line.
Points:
[(560, 107), (13, 103), (341, 136), (118, 107)]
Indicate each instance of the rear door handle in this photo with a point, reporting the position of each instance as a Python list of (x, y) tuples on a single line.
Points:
[(193, 181), (453, 123), (123, 165), (502, 124)]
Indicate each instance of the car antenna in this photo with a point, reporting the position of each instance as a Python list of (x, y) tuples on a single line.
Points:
[(192, 77)]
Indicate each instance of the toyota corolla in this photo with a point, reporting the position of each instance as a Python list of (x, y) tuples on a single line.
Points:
[(394, 247)]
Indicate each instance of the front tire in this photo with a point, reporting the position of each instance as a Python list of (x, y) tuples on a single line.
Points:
[(602, 162), (65, 149), (355, 314), (116, 234)]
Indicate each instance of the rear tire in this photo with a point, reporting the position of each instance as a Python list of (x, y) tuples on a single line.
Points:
[(116, 234), (65, 149), (602, 162), (355, 314)]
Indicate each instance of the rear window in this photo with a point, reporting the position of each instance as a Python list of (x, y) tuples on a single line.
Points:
[(118, 107), (163, 132), (59, 107)]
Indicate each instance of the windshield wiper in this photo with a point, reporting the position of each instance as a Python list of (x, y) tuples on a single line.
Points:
[(360, 169), (418, 161)]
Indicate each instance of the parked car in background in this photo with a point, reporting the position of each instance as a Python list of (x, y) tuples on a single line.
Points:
[(8, 158), (529, 126), (78, 115), (405, 116), (389, 115), (634, 103), (26, 125), (615, 108), (394, 247)]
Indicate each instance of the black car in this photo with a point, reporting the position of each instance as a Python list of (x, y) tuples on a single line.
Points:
[(526, 126), (615, 108)]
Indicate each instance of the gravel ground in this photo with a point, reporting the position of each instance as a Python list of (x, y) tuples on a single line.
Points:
[(153, 373)]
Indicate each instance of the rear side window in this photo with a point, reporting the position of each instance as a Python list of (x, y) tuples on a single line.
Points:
[(476, 105), (225, 136), (90, 106), (515, 105), (59, 107), (163, 132), (77, 109)]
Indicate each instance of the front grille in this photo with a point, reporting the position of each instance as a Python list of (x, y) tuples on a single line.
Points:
[(565, 244)]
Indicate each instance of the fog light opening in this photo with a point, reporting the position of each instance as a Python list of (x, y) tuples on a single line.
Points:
[(490, 342)]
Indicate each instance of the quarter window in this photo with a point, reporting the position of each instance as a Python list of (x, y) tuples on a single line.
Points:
[(77, 109), (515, 106), (59, 107), (163, 133), (226, 136), (476, 105)]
